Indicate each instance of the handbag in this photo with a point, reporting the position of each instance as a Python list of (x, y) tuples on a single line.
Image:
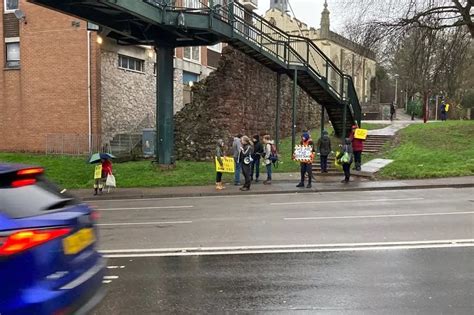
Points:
[(110, 182)]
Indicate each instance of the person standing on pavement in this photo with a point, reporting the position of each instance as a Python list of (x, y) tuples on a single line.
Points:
[(267, 151), (245, 158), (324, 149), (393, 111), (236, 146), (357, 147), (257, 154), (346, 157), (106, 170), (219, 156), (306, 167)]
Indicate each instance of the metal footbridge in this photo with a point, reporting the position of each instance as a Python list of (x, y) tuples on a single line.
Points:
[(165, 24)]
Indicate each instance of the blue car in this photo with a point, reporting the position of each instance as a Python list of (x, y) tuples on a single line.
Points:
[(48, 260)]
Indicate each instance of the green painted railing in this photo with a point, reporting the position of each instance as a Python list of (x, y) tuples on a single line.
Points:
[(289, 51)]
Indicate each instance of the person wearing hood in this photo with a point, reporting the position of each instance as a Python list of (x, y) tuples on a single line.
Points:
[(324, 149), (219, 156), (257, 154), (236, 146), (358, 147), (307, 166), (245, 158), (346, 161)]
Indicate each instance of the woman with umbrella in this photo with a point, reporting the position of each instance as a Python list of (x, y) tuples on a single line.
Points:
[(101, 171)]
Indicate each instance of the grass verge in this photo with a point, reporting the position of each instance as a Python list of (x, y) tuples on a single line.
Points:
[(432, 150)]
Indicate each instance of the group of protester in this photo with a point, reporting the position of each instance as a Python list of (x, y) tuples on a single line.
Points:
[(249, 154)]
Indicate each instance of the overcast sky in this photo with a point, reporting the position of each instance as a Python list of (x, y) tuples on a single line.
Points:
[(309, 11)]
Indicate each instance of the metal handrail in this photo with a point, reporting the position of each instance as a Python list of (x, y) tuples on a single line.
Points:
[(264, 34)]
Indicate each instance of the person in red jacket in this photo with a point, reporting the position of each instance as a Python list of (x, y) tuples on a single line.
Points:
[(106, 170), (357, 147)]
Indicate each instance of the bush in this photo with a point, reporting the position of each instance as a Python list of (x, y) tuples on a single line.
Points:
[(415, 107)]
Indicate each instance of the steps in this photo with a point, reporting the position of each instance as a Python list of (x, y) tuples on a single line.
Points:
[(332, 170), (374, 143)]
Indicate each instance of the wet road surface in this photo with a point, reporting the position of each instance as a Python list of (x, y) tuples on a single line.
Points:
[(399, 281)]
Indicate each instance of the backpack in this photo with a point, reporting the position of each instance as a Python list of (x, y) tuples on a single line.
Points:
[(273, 154)]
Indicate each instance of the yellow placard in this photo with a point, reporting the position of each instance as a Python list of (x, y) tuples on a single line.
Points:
[(447, 107), (360, 134), (98, 171), (228, 166)]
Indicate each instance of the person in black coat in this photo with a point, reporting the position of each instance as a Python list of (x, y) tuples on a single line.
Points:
[(256, 156), (245, 158)]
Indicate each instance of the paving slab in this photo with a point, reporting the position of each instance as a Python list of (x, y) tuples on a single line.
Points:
[(277, 187)]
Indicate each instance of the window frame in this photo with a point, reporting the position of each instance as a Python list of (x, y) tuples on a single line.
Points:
[(5, 10), (191, 53), (141, 62), (218, 50), (13, 63)]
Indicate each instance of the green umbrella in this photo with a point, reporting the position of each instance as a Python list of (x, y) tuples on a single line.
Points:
[(96, 157)]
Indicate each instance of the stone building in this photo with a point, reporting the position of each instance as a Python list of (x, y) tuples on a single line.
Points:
[(66, 86), (352, 58)]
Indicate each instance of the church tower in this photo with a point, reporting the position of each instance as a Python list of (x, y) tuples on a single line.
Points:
[(325, 21), (281, 5)]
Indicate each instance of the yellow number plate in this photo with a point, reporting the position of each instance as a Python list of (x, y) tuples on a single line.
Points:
[(75, 243)]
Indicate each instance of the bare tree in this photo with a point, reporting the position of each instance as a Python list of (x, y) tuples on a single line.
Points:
[(430, 14)]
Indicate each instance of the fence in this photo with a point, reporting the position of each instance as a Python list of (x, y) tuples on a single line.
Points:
[(76, 144)]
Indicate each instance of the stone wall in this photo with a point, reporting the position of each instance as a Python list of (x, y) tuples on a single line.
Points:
[(129, 97), (239, 97)]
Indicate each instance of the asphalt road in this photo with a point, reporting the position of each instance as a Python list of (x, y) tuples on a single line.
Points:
[(410, 281), (292, 219), (379, 252)]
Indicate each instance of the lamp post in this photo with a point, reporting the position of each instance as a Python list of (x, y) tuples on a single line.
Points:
[(396, 90)]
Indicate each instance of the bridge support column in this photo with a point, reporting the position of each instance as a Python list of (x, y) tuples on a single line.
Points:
[(164, 106), (277, 112), (293, 120), (344, 122), (322, 120)]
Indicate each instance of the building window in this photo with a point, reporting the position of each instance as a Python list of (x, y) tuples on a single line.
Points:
[(10, 5), (217, 47), (13, 55), (129, 63), (195, 4), (190, 77), (192, 53)]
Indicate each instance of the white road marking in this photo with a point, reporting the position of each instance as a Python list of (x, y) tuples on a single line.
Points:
[(294, 249), (289, 246), (382, 216), (115, 267), (342, 201), (144, 223), (145, 208), (110, 277), (106, 281)]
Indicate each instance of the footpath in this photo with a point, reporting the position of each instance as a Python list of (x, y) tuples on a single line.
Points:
[(322, 184)]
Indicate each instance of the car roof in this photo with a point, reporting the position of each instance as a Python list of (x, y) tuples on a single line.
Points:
[(8, 168)]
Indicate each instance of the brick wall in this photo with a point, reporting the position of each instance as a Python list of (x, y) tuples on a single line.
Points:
[(239, 97), (48, 94)]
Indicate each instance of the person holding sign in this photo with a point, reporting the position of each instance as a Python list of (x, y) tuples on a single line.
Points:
[(358, 147), (305, 154), (220, 161)]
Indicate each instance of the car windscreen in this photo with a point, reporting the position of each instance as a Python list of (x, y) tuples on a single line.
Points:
[(34, 199)]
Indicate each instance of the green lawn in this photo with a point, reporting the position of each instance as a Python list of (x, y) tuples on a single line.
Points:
[(433, 150), (74, 172)]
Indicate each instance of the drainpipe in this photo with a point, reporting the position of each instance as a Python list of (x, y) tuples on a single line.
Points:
[(89, 94)]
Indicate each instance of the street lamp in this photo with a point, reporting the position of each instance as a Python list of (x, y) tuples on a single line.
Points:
[(396, 90)]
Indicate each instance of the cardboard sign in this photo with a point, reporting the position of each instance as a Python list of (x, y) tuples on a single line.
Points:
[(360, 134), (98, 171), (447, 107), (303, 153), (228, 167)]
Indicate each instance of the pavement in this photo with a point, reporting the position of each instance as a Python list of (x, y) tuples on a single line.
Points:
[(285, 183)]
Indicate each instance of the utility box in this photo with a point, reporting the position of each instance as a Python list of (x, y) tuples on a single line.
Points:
[(149, 142)]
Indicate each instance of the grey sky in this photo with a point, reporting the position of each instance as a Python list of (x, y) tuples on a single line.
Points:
[(309, 11)]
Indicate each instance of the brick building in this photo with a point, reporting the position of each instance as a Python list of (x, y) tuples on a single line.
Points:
[(65, 88)]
